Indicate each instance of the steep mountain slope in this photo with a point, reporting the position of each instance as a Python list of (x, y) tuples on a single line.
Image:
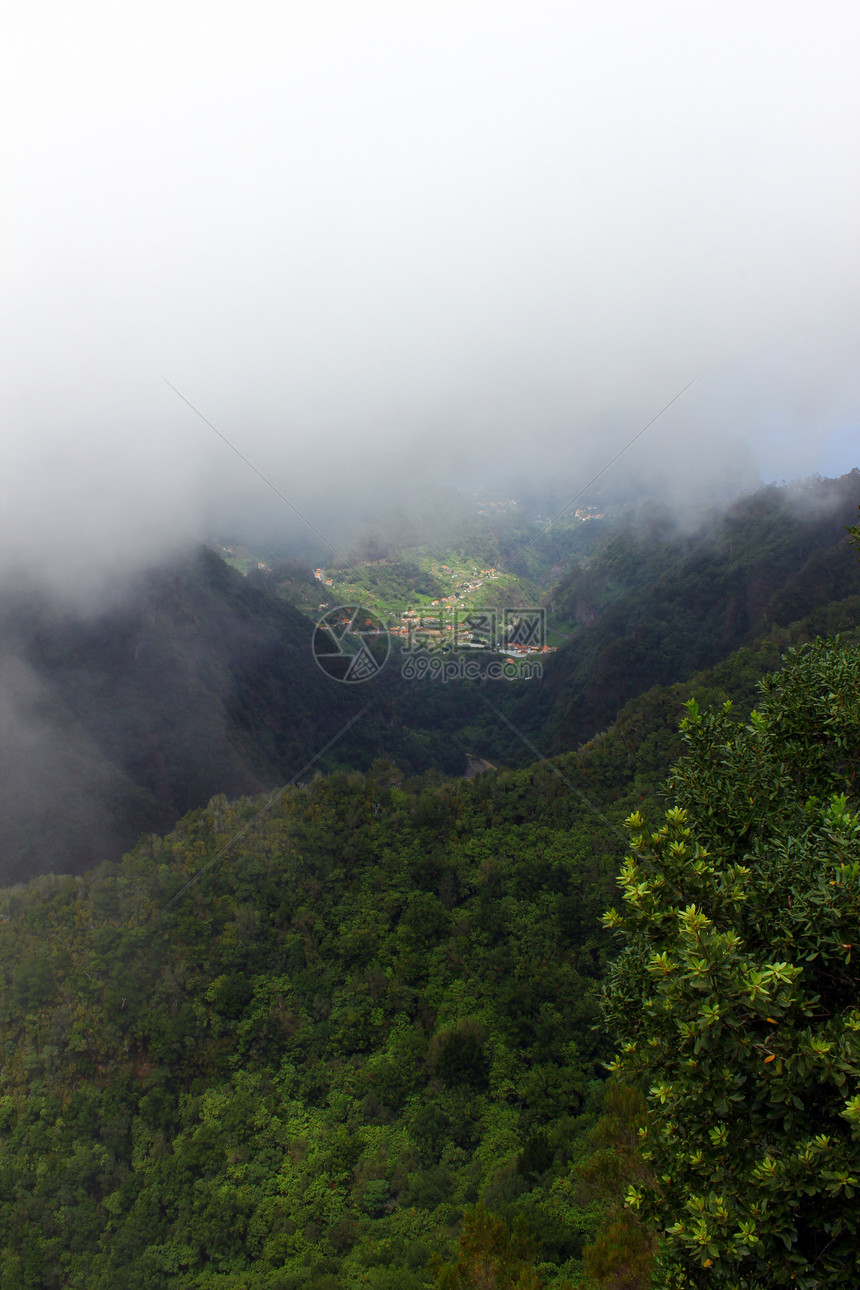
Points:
[(650, 605), (199, 682), (655, 605), (288, 1050), (196, 683)]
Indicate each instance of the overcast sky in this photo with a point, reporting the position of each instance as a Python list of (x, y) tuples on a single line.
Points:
[(394, 240)]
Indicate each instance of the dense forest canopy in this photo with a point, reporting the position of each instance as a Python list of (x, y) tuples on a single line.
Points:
[(349, 1032)]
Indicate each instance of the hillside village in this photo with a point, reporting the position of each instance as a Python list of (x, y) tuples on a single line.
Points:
[(451, 622)]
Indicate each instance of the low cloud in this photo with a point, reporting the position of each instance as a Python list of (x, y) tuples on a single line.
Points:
[(385, 250)]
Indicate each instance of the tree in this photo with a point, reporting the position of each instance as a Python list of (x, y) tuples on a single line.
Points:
[(621, 1256), (489, 1257), (735, 998)]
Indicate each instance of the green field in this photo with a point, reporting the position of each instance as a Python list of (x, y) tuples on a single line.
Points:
[(503, 562)]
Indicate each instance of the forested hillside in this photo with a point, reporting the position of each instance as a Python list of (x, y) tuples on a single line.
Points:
[(193, 683), (656, 604), (429, 749), (294, 1042), (372, 1010), (650, 603), (196, 681)]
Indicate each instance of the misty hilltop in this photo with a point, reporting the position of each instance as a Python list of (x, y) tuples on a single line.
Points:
[(118, 722), (197, 681), (369, 254)]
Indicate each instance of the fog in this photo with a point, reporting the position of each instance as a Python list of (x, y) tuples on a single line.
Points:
[(385, 248)]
